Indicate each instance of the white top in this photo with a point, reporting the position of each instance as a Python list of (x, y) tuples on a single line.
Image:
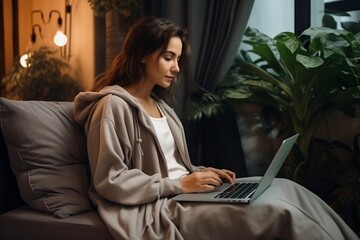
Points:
[(175, 168)]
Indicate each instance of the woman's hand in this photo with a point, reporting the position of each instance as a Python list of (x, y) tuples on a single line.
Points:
[(206, 180), (224, 174)]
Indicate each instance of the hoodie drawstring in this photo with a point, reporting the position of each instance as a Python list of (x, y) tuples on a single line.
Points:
[(138, 139)]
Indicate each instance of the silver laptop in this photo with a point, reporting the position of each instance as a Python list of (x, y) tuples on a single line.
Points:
[(244, 190)]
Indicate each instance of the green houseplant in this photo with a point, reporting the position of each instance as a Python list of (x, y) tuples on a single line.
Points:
[(301, 83), (45, 78)]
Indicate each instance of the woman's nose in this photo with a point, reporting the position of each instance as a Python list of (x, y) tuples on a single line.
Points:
[(175, 68)]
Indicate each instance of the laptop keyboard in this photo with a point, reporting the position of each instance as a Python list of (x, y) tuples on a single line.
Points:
[(237, 190)]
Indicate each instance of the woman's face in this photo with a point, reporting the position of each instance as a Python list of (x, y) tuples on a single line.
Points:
[(161, 68)]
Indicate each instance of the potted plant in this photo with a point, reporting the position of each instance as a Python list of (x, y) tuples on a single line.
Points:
[(301, 83), (119, 15), (45, 78)]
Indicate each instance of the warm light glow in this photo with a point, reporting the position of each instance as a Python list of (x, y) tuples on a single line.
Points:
[(24, 60), (60, 39)]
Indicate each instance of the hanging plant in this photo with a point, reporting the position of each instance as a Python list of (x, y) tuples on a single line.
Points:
[(127, 10), (120, 15)]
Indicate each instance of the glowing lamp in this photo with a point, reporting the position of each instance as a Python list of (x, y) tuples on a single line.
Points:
[(60, 39), (24, 60)]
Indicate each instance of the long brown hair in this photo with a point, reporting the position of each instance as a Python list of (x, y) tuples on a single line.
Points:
[(145, 37)]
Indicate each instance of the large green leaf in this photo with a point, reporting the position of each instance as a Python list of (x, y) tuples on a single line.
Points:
[(265, 76), (309, 62), (323, 32), (290, 40)]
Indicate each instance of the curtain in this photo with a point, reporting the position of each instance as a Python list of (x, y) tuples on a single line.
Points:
[(216, 33), (215, 29)]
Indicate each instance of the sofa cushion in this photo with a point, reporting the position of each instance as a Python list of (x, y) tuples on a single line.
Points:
[(47, 152), (25, 223)]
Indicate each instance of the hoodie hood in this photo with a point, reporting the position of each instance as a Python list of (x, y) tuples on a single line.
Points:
[(85, 104), (85, 101)]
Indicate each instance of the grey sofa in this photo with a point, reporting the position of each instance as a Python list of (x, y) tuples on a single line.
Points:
[(44, 174)]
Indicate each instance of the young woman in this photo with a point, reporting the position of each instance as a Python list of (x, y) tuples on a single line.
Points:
[(139, 159)]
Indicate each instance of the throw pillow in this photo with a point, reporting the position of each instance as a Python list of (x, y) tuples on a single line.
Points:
[(47, 152)]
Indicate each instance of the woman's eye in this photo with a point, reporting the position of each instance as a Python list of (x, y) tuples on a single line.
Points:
[(168, 58)]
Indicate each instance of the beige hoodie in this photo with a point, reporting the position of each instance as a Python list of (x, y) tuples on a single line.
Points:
[(127, 165), (126, 161)]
